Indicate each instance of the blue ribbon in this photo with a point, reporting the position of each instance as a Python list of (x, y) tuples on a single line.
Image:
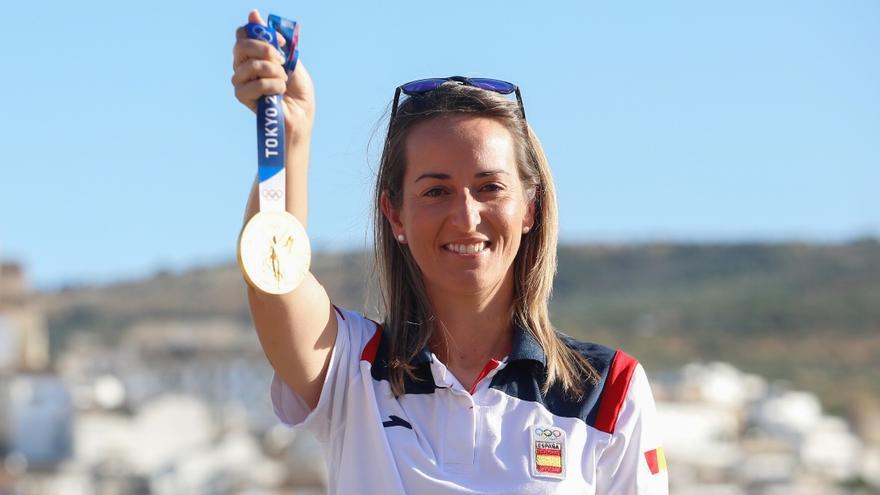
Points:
[(290, 32), (270, 111)]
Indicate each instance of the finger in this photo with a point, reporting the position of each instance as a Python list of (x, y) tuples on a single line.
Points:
[(300, 79), (257, 69), (241, 33), (254, 49), (249, 92)]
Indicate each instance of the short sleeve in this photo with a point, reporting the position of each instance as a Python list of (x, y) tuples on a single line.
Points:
[(633, 463), (353, 331)]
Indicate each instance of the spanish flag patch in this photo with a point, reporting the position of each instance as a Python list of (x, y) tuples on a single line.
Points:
[(656, 460), (548, 451)]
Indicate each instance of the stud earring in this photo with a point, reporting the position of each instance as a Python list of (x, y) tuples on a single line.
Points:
[(526, 229), (401, 238)]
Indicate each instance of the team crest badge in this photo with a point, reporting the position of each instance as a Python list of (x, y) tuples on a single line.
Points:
[(548, 451)]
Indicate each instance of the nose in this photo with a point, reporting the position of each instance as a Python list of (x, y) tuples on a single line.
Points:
[(466, 212)]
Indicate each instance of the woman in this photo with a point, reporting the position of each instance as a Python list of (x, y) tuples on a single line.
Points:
[(465, 387)]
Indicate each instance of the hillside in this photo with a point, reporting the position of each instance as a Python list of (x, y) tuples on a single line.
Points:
[(807, 313)]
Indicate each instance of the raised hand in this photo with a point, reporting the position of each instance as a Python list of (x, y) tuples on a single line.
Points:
[(258, 71)]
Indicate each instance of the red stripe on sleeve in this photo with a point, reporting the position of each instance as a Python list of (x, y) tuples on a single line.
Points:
[(614, 393), (372, 346)]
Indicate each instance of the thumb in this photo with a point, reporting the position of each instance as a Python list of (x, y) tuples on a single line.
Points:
[(254, 16), (299, 81)]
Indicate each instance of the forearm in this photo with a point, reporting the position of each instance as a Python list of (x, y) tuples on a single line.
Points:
[(296, 165)]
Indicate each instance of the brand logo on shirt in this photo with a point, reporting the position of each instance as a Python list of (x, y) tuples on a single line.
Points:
[(656, 460), (548, 451), (396, 421)]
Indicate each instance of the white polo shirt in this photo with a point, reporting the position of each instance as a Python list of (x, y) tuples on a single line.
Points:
[(503, 436)]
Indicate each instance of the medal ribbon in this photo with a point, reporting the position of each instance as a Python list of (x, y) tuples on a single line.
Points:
[(270, 116)]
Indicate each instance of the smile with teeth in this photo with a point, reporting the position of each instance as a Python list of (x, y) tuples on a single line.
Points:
[(474, 248)]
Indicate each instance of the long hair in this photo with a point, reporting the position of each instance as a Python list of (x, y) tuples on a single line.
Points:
[(409, 320)]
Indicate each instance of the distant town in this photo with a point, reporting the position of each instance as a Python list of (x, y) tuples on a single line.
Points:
[(183, 407)]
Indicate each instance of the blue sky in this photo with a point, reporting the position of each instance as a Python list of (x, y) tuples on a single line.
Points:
[(124, 150)]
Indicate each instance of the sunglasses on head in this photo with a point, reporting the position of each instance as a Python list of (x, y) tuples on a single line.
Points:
[(423, 86)]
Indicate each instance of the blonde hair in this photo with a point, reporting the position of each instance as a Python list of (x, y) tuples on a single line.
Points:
[(409, 321)]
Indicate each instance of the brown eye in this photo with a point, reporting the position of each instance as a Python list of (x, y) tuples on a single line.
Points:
[(433, 193)]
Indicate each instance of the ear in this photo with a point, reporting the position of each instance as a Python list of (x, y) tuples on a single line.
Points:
[(529, 217), (391, 214)]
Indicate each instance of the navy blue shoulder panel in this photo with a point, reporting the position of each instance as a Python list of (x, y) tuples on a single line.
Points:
[(523, 379), (424, 382)]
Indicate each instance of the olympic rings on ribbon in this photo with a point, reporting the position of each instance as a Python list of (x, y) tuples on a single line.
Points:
[(273, 194), (260, 32)]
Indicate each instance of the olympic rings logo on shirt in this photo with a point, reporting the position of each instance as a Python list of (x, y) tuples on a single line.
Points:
[(272, 193), (547, 432)]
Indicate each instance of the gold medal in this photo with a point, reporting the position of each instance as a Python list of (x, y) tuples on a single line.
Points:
[(274, 252)]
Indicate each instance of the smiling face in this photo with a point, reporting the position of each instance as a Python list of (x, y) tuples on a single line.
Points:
[(463, 207)]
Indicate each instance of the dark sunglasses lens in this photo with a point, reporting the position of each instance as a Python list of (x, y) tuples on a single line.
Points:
[(422, 86), (502, 87)]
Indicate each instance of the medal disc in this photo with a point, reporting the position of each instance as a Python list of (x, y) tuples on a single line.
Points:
[(274, 252)]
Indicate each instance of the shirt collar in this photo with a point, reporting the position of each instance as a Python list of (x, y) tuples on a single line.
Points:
[(525, 347), (424, 356)]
